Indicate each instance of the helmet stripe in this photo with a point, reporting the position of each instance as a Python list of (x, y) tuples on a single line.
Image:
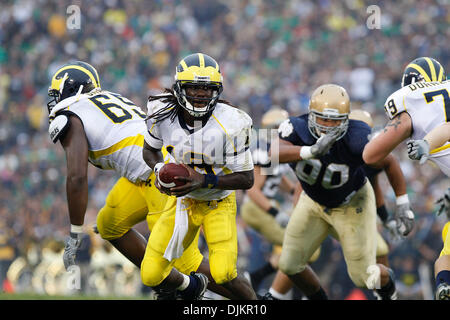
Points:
[(86, 71), (441, 74), (432, 69), (184, 65), (420, 70), (201, 60)]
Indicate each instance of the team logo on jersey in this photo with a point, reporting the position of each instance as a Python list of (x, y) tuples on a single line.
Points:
[(286, 128)]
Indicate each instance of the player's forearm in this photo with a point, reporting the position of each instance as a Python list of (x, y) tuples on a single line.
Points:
[(236, 181), (395, 175), (289, 153), (77, 198), (438, 136), (151, 156)]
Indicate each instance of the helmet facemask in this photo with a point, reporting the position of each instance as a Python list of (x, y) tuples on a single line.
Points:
[(317, 130), (188, 102)]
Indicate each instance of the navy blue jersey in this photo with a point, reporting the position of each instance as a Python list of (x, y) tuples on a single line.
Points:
[(371, 172), (333, 178)]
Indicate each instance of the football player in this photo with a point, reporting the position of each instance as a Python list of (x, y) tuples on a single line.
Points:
[(107, 130), (282, 284), (211, 138), (325, 149), (421, 105), (260, 209)]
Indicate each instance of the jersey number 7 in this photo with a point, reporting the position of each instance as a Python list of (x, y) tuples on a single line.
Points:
[(429, 97)]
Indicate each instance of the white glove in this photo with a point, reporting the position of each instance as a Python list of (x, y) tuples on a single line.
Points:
[(444, 203), (391, 226), (418, 150), (404, 216), (70, 251), (321, 147)]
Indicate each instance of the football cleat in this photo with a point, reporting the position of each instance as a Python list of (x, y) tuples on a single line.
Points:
[(268, 296), (199, 290), (443, 292), (158, 294), (391, 294)]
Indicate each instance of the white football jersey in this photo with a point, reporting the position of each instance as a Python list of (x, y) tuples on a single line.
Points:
[(428, 105), (115, 130), (219, 146)]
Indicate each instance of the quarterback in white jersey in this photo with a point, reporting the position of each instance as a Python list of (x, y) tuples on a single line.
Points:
[(211, 139), (421, 106), (108, 130)]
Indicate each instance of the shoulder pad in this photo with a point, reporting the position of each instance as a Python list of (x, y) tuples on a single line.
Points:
[(58, 127), (395, 103)]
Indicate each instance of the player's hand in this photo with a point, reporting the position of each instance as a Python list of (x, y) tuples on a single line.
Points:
[(404, 217), (73, 242), (193, 182), (157, 184), (444, 204), (418, 150), (391, 226), (324, 144)]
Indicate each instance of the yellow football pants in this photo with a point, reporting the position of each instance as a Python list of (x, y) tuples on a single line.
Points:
[(218, 219), (128, 204)]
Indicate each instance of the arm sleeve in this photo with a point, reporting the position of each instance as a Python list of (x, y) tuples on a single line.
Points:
[(239, 156)]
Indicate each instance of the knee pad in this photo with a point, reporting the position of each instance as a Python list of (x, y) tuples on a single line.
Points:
[(223, 266), (289, 268), (107, 226), (154, 270)]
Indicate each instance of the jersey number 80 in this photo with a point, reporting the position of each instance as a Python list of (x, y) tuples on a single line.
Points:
[(335, 174)]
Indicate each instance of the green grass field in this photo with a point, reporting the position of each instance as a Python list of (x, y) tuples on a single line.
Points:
[(34, 296)]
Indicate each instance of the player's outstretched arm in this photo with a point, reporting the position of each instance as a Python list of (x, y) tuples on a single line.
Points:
[(420, 149), (397, 130), (75, 146)]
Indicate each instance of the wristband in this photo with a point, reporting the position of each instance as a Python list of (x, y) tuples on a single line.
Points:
[(273, 211), (76, 229), (305, 152), (211, 181), (382, 213), (402, 200)]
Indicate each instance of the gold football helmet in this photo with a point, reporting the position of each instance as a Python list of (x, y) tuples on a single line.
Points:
[(328, 102), (201, 70), (273, 118), (362, 116)]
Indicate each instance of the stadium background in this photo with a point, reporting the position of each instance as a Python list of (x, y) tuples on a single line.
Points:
[(271, 53)]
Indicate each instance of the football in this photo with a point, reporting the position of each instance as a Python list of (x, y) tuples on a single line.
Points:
[(168, 173)]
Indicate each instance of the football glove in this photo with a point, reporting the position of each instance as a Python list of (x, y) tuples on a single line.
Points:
[(404, 217), (321, 147), (418, 150), (444, 204), (391, 226), (73, 242)]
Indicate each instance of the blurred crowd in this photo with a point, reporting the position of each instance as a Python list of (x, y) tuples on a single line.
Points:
[(271, 53)]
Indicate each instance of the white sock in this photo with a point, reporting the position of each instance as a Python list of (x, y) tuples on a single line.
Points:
[(281, 296), (186, 281)]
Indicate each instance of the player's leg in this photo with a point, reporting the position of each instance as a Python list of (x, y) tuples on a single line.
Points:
[(442, 267), (305, 232), (159, 273), (382, 251), (355, 225), (262, 222), (124, 207), (219, 226), (282, 285)]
